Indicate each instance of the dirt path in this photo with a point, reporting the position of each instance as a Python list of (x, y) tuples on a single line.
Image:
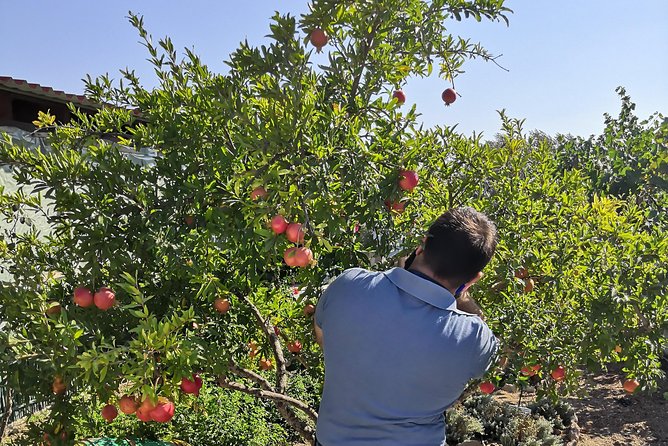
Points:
[(609, 417)]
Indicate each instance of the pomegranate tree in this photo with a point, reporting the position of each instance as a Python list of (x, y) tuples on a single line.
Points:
[(277, 135)]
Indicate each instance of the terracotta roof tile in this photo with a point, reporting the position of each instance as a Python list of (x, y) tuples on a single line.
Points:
[(21, 85)]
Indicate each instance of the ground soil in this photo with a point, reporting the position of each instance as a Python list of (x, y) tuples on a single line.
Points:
[(610, 417)]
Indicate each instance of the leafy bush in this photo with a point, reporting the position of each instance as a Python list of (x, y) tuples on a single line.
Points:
[(561, 413), (494, 416), (481, 416), (462, 425), (216, 418), (525, 430)]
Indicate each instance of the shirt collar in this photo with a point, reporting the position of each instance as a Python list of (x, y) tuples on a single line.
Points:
[(425, 290)]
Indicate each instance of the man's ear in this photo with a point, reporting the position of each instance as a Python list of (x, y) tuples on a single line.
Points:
[(475, 279), (420, 249)]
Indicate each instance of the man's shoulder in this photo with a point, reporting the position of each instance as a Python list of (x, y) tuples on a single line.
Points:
[(355, 274), (351, 278), (473, 321), (472, 327)]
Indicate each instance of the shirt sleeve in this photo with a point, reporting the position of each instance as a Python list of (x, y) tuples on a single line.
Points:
[(320, 308), (334, 287), (489, 347)]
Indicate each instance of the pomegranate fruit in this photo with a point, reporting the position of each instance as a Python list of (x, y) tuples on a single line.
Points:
[(144, 411), (279, 224), (127, 404), (83, 297), (558, 374), (400, 96), (163, 412), (290, 256), (303, 257), (54, 309), (529, 285), (58, 387), (191, 386), (395, 206), (527, 371), (449, 96), (295, 347), (104, 298), (109, 413), (258, 192), (221, 305), (295, 233), (408, 179), (630, 385), (487, 387), (318, 39)]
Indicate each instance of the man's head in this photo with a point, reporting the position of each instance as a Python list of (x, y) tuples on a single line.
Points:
[(459, 244)]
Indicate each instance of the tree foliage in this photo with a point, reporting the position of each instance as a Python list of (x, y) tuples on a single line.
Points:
[(327, 143)]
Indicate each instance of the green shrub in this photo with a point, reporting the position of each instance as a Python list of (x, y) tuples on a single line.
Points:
[(481, 415), (462, 426), (560, 413), (216, 418), (493, 415), (525, 430)]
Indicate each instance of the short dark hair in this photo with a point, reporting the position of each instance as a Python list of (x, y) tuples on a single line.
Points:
[(460, 243)]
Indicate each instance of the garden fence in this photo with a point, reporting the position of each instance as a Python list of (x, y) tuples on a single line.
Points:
[(19, 409)]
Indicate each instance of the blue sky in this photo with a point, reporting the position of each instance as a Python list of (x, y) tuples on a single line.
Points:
[(565, 57)]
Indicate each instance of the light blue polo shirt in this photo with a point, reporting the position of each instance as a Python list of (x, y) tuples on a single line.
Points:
[(397, 354)]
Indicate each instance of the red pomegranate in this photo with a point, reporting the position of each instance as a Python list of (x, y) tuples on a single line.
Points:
[(127, 404), (449, 96), (83, 297), (104, 298), (109, 413), (318, 39), (279, 224), (295, 233), (191, 386), (163, 412), (400, 96)]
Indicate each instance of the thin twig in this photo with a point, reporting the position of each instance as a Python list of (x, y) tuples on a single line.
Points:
[(232, 147)]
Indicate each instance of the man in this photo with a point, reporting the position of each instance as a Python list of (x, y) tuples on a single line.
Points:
[(399, 347)]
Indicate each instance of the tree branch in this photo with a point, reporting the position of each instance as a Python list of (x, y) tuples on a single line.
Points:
[(256, 378), (274, 396), (281, 372), (366, 47)]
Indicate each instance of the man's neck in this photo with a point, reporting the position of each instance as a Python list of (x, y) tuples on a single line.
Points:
[(423, 269)]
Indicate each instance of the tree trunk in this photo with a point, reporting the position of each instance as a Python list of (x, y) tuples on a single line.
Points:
[(7, 413)]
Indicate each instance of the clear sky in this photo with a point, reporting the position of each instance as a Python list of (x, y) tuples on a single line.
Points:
[(565, 56)]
